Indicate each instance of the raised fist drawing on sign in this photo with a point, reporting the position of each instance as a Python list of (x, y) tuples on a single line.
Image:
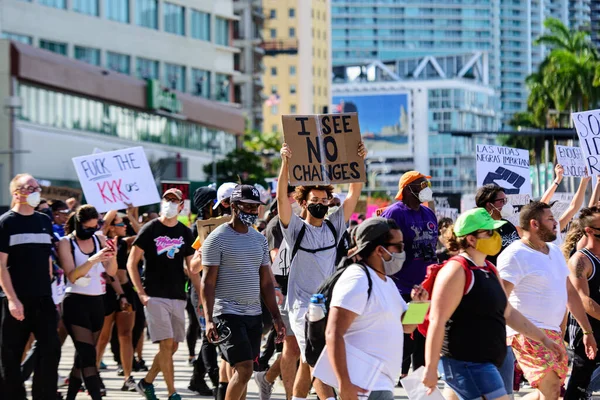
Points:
[(505, 178)]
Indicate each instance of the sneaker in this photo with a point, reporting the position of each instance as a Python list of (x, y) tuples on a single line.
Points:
[(146, 390), (175, 396), (102, 365), (120, 371), (191, 360), (62, 381), (201, 388), (129, 385), (140, 366), (264, 388)]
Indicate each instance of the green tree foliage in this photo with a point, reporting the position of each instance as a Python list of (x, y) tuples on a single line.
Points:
[(240, 165)]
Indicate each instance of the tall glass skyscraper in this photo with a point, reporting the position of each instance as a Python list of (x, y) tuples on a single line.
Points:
[(392, 29)]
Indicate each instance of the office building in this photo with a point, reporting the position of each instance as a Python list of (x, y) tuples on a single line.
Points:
[(248, 82), (580, 14), (297, 59), (505, 30), (595, 22), (403, 120)]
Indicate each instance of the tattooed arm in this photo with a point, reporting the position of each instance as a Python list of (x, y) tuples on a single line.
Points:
[(581, 269)]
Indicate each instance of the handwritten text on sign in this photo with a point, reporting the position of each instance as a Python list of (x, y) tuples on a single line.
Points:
[(324, 148), (504, 166), (110, 180), (571, 158), (587, 124)]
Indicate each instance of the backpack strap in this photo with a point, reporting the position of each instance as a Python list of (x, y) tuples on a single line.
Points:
[(470, 277), (298, 241), (364, 267), (332, 229)]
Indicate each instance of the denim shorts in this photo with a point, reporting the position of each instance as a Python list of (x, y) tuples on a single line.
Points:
[(472, 380)]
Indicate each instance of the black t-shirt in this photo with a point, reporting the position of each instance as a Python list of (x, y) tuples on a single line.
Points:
[(509, 234), (27, 239), (122, 253), (273, 233), (165, 249)]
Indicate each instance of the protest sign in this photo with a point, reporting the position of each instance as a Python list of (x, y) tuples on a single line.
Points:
[(571, 158), (587, 124), (60, 193), (206, 226), (184, 186), (505, 166), (380, 211), (114, 178), (324, 149)]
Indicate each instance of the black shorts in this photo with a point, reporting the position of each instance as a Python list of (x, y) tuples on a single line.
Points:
[(244, 342), (112, 304)]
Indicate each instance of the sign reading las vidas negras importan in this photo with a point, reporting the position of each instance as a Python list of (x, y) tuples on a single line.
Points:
[(324, 148), (161, 98)]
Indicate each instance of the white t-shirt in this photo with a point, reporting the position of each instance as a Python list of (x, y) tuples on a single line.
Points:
[(540, 280), (378, 328)]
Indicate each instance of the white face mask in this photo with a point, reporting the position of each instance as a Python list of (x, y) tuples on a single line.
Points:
[(83, 281), (296, 209), (33, 199), (395, 264), (332, 210), (426, 195), (168, 209)]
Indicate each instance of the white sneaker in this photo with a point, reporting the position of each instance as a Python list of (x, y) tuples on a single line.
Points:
[(264, 388), (62, 381)]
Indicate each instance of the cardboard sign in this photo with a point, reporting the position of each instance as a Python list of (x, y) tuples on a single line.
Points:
[(324, 149), (60, 193), (185, 190), (571, 158), (380, 211), (206, 226), (113, 178), (504, 166), (587, 124)]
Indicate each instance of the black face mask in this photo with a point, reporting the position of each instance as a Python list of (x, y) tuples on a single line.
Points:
[(84, 233), (319, 211)]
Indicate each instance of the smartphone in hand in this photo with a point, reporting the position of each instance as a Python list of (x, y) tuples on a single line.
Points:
[(110, 244)]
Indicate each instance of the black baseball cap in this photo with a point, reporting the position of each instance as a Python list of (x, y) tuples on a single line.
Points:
[(246, 194), (204, 196)]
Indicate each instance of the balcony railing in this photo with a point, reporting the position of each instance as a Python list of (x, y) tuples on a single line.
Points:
[(274, 47)]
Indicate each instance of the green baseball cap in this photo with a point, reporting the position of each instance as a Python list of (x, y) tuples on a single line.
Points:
[(475, 220)]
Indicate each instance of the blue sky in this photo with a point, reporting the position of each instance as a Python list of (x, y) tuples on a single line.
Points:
[(376, 111)]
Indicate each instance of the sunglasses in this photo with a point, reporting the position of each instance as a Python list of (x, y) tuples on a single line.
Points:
[(504, 201), (422, 185), (119, 225), (490, 232), (399, 246)]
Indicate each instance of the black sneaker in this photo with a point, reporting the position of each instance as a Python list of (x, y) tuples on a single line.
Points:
[(140, 366), (129, 385), (201, 388)]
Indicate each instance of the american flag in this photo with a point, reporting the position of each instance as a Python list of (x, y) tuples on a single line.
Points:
[(273, 100)]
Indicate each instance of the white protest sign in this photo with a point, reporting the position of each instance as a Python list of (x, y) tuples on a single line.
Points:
[(571, 158), (504, 166), (587, 124), (113, 178), (451, 213)]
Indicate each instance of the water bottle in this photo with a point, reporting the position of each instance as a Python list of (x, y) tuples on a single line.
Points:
[(202, 320), (316, 308)]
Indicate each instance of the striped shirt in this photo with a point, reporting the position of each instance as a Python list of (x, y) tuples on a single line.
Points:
[(239, 257)]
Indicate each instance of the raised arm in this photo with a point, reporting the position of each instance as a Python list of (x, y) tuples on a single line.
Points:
[(547, 196), (354, 189), (283, 203), (576, 203)]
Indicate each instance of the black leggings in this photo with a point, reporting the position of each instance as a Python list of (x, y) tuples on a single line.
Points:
[(583, 368), (83, 317), (193, 330)]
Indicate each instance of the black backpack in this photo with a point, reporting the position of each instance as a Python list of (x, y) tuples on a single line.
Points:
[(315, 330)]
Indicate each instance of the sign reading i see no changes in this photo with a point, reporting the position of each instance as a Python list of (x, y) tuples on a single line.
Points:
[(324, 148)]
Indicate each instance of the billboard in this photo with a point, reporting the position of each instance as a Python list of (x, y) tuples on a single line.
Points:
[(384, 121)]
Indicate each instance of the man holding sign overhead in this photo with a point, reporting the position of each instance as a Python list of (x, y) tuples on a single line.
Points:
[(314, 240)]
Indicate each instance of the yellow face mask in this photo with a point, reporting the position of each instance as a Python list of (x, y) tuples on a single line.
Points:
[(490, 246)]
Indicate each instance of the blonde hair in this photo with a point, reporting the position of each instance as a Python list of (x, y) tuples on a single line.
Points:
[(14, 183), (574, 235)]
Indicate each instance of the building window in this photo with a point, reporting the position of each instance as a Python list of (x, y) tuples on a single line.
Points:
[(273, 33), (223, 91), (147, 69), (89, 7), (88, 55), (292, 12), (292, 32), (55, 47), (118, 62), (274, 109), (292, 89), (146, 13), (274, 89), (54, 3), (174, 18), (201, 83), (292, 70), (175, 77), (274, 128), (200, 25), (273, 14), (17, 37), (117, 10), (292, 109), (222, 31), (273, 71)]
